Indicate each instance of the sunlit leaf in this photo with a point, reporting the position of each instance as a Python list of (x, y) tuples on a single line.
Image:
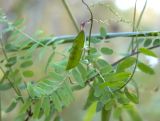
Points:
[(28, 73), (145, 68), (128, 62), (147, 52), (90, 112), (76, 52)]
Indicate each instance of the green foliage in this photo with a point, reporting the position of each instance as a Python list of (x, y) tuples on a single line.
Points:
[(90, 112), (46, 93)]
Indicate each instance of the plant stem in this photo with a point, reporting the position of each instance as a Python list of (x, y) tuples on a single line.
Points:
[(105, 114), (91, 19), (70, 38), (120, 60), (70, 15)]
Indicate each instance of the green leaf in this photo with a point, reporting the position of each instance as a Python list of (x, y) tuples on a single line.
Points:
[(58, 118), (82, 70), (90, 99), (37, 108), (147, 42), (133, 112), (106, 51), (11, 48), (117, 112), (100, 63), (20, 117), (25, 106), (65, 94), (145, 68), (95, 40), (26, 64), (122, 98), (109, 104), (5, 86), (115, 80), (133, 97), (147, 52), (156, 42), (76, 52), (56, 101), (18, 22), (11, 106), (28, 73), (46, 106), (128, 62), (77, 76), (90, 112), (103, 32), (11, 61)]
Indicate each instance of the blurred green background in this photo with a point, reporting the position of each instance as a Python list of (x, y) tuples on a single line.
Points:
[(116, 16)]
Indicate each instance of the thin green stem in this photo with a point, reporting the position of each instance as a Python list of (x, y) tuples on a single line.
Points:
[(70, 38), (91, 19), (136, 48), (139, 20), (70, 15), (134, 21)]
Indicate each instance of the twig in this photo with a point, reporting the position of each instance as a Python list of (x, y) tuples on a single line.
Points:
[(91, 19), (120, 60), (29, 114), (136, 48), (70, 15), (70, 38)]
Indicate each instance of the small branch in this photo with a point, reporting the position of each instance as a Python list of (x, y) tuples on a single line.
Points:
[(134, 53), (29, 114), (70, 38), (120, 60), (70, 15), (91, 19)]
